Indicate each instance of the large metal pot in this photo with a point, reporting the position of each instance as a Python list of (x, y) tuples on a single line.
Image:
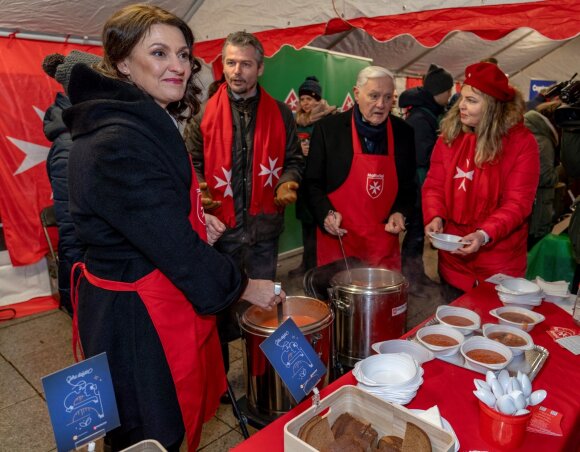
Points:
[(370, 305), (266, 393)]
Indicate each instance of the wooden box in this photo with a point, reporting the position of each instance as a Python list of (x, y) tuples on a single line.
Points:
[(386, 419)]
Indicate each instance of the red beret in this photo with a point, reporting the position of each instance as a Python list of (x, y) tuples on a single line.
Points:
[(489, 79)]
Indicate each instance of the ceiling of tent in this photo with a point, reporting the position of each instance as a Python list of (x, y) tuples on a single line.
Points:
[(74, 18), (405, 56), (312, 23)]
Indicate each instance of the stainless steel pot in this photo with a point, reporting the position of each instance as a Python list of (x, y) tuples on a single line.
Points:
[(266, 393), (370, 305)]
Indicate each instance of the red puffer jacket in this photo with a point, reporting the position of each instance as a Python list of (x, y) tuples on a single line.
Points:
[(505, 222)]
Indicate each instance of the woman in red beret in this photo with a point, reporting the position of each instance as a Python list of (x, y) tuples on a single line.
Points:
[(482, 181)]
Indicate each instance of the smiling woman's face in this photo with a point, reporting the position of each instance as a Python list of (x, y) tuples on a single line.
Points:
[(160, 64), (470, 106)]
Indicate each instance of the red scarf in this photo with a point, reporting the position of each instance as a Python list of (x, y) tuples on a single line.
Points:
[(473, 192), (268, 154)]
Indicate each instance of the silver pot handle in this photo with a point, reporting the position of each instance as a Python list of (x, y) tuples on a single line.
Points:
[(343, 305), (331, 293)]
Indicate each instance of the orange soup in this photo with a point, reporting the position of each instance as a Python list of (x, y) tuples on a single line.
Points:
[(509, 339), (299, 320), (486, 356), (456, 320), (516, 317), (440, 340)]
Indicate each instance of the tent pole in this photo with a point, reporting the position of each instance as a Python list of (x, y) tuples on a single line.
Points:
[(49, 38)]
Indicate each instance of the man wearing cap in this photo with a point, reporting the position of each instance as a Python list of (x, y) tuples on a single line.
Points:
[(425, 106), (247, 157), (482, 182), (360, 176), (70, 249)]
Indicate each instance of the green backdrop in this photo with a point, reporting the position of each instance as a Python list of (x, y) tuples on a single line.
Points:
[(283, 75)]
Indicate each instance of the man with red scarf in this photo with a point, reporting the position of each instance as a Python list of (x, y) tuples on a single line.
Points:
[(360, 176), (246, 155)]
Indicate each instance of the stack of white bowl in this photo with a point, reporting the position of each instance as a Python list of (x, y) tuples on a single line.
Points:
[(554, 291), (519, 292), (394, 377)]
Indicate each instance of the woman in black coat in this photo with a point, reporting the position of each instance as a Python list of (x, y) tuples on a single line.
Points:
[(151, 283)]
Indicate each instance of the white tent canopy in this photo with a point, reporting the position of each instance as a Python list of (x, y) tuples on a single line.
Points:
[(531, 39)]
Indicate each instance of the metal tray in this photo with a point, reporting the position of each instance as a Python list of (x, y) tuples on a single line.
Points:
[(530, 362)]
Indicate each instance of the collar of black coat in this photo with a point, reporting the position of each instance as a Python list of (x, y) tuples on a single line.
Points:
[(374, 138), (87, 84), (245, 105), (99, 101)]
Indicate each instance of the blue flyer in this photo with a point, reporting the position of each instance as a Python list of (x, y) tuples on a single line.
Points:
[(81, 402), (294, 359)]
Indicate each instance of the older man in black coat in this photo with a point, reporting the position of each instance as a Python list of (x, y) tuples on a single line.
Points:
[(360, 176)]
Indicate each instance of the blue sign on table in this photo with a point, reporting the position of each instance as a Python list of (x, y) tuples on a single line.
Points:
[(294, 359), (81, 402)]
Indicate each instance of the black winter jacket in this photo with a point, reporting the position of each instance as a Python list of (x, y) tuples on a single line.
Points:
[(70, 248), (330, 159), (130, 178), (423, 116), (249, 228)]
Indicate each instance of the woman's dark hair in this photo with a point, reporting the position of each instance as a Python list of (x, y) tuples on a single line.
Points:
[(126, 28)]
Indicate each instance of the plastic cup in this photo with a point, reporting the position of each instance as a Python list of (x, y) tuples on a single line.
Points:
[(501, 430)]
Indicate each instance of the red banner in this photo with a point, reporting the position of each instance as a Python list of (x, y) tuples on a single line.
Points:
[(27, 93)]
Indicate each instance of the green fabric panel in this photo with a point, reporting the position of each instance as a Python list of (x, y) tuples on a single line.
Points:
[(552, 259), (283, 75)]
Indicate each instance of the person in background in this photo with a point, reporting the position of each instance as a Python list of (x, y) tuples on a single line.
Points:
[(151, 282), (567, 118), (311, 108), (70, 249), (541, 123), (425, 106), (245, 148), (482, 182), (360, 176)]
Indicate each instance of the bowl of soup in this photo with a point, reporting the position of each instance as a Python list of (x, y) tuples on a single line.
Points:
[(440, 339), (483, 354), (521, 318), (516, 339), (463, 320)]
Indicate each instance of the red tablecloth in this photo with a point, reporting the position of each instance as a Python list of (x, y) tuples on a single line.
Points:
[(450, 387)]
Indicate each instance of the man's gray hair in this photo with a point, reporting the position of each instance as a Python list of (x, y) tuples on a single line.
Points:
[(244, 39), (372, 72)]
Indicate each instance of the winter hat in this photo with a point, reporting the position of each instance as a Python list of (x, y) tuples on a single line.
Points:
[(59, 67), (437, 80), (311, 88), (489, 79)]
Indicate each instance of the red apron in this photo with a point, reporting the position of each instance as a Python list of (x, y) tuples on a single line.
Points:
[(364, 201), (190, 341)]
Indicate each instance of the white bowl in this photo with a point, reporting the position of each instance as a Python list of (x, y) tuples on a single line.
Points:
[(418, 353), (529, 307), (444, 330), (490, 328), (446, 242), (537, 318), (522, 299), (519, 286), (479, 342), (394, 369), (444, 311)]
